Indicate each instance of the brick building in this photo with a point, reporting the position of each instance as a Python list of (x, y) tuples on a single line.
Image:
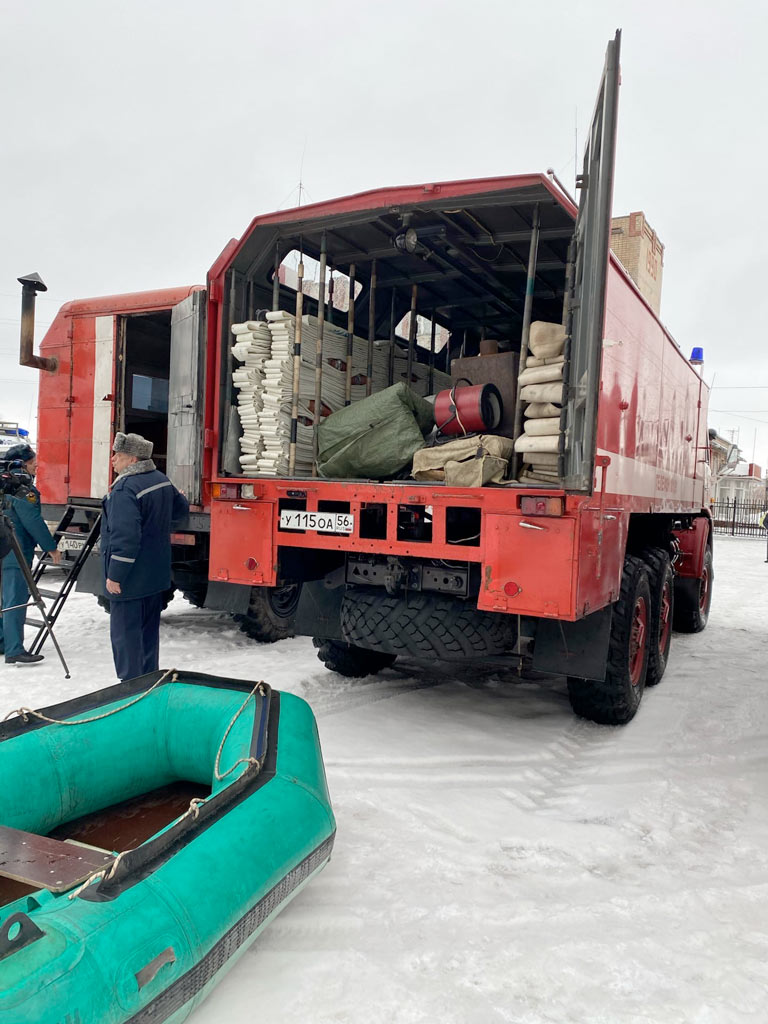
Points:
[(638, 247)]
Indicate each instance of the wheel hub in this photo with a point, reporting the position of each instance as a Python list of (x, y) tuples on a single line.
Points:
[(637, 638)]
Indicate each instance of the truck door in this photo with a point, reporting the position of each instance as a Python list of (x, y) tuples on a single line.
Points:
[(185, 396), (590, 253)]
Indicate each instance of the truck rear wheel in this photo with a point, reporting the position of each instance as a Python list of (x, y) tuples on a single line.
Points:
[(614, 700), (693, 598), (271, 613), (662, 583), (196, 594), (423, 625), (351, 661)]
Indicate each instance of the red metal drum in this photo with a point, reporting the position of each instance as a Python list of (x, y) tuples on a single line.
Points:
[(469, 410)]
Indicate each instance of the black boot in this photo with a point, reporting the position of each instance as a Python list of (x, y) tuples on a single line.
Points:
[(23, 659)]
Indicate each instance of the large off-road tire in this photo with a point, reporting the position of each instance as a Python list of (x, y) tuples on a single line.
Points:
[(693, 598), (196, 595), (422, 625), (271, 613), (347, 660), (614, 700), (662, 582)]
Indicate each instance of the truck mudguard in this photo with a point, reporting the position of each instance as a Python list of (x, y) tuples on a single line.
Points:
[(693, 544)]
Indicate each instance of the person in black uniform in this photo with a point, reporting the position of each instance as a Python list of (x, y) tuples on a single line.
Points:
[(24, 512), (136, 550)]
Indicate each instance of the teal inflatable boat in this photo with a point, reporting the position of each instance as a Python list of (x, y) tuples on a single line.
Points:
[(148, 832)]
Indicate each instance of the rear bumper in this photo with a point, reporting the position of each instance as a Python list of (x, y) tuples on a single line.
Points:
[(528, 565)]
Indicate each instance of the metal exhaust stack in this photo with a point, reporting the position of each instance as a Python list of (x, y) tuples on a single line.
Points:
[(30, 285)]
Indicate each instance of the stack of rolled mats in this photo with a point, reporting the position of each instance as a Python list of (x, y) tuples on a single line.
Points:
[(541, 391)]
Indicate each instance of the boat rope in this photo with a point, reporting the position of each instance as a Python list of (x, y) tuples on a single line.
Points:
[(258, 688), (95, 877), (104, 874), (194, 806), (25, 713)]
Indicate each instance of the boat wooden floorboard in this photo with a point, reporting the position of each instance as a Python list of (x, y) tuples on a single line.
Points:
[(120, 827)]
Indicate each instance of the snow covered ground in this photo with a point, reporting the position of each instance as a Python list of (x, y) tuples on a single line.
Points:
[(498, 860)]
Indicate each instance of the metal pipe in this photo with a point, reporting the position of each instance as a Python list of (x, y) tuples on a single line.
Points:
[(431, 379), (319, 350), (526, 332), (330, 296), (296, 366), (371, 328), (276, 280), (350, 335), (392, 325), (30, 285), (412, 332)]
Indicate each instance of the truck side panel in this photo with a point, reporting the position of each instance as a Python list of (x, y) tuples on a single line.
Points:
[(53, 419), (522, 553), (649, 412)]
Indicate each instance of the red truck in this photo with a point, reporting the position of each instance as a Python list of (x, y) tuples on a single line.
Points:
[(582, 572)]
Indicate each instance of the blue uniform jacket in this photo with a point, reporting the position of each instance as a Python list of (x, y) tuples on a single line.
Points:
[(27, 518), (136, 533)]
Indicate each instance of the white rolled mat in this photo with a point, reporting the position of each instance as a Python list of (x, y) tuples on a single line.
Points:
[(552, 392), (545, 459), (540, 410), (540, 374), (546, 340), (542, 427), (529, 443), (535, 361)]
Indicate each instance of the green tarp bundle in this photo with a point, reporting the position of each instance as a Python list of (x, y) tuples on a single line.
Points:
[(374, 438)]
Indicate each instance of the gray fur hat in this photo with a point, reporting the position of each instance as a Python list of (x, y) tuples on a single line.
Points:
[(133, 444)]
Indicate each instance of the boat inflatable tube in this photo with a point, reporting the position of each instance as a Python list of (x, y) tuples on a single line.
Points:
[(99, 932)]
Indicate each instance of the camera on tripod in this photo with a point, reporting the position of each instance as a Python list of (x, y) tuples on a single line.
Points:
[(14, 478)]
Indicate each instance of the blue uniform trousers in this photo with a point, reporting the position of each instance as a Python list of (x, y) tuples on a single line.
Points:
[(15, 591), (134, 629)]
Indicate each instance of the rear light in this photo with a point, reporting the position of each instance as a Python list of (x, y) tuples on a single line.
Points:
[(183, 538), (246, 491), (538, 505), (224, 490), (512, 589)]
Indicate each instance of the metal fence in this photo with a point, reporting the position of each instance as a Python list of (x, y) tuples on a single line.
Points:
[(739, 518)]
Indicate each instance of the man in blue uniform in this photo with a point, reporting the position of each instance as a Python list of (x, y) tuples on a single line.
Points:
[(136, 548), (23, 509)]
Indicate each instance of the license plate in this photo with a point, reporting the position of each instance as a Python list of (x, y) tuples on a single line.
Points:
[(71, 543), (326, 522)]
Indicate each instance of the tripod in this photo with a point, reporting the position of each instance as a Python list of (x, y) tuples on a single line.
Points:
[(9, 543)]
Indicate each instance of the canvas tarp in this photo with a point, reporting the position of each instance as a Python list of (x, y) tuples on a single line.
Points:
[(375, 438), (465, 462)]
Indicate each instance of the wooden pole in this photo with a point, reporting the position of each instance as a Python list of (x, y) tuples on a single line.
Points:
[(319, 352), (350, 335), (296, 367), (412, 333), (371, 328)]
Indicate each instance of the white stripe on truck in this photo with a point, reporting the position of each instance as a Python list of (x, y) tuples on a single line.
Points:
[(104, 356)]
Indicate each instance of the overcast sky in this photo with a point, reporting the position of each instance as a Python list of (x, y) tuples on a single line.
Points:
[(139, 137)]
